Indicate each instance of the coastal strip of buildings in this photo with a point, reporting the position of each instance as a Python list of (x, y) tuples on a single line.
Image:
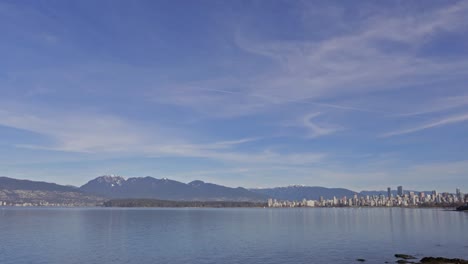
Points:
[(402, 199), (46, 204)]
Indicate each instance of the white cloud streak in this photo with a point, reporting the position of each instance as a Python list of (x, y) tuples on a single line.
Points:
[(103, 134), (434, 124), (76, 132), (355, 62), (315, 129), (439, 105), (316, 72)]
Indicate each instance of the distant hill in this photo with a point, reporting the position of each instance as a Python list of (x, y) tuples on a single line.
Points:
[(298, 192), (15, 184), (166, 189), (14, 191)]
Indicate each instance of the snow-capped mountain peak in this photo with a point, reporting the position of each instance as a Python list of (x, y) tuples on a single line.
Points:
[(111, 180)]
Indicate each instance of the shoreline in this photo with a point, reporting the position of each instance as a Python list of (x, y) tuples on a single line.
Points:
[(450, 209)]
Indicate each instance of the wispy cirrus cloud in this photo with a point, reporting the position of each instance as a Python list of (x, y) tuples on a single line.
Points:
[(382, 52), (438, 105), (106, 134), (75, 132), (433, 124), (316, 130), (360, 60)]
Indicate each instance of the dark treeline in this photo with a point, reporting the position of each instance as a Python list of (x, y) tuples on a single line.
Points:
[(164, 203), (440, 205)]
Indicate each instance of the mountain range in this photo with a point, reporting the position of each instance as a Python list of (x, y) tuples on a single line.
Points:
[(149, 187), (116, 187)]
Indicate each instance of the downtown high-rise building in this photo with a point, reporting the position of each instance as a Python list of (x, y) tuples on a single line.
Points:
[(389, 192), (460, 196), (400, 191)]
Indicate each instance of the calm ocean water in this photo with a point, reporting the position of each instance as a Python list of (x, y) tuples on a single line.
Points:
[(329, 235)]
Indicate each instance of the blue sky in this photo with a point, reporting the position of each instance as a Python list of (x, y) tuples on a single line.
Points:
[(361, 95)]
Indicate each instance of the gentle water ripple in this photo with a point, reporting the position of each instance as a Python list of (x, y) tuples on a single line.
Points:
[(245, 235)]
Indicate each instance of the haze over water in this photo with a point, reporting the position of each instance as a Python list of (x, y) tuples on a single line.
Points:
[(329, 235)]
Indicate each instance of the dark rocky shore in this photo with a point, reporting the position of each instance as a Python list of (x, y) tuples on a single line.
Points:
[(443, 260), (404, 258)]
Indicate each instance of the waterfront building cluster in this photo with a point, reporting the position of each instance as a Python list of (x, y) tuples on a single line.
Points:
[(402, 199), (44, 203)]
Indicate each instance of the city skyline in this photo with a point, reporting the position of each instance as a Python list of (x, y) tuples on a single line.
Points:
[(16, 192), (256, 94)]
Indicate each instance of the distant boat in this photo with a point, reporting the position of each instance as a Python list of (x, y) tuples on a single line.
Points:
[(463, 208)]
